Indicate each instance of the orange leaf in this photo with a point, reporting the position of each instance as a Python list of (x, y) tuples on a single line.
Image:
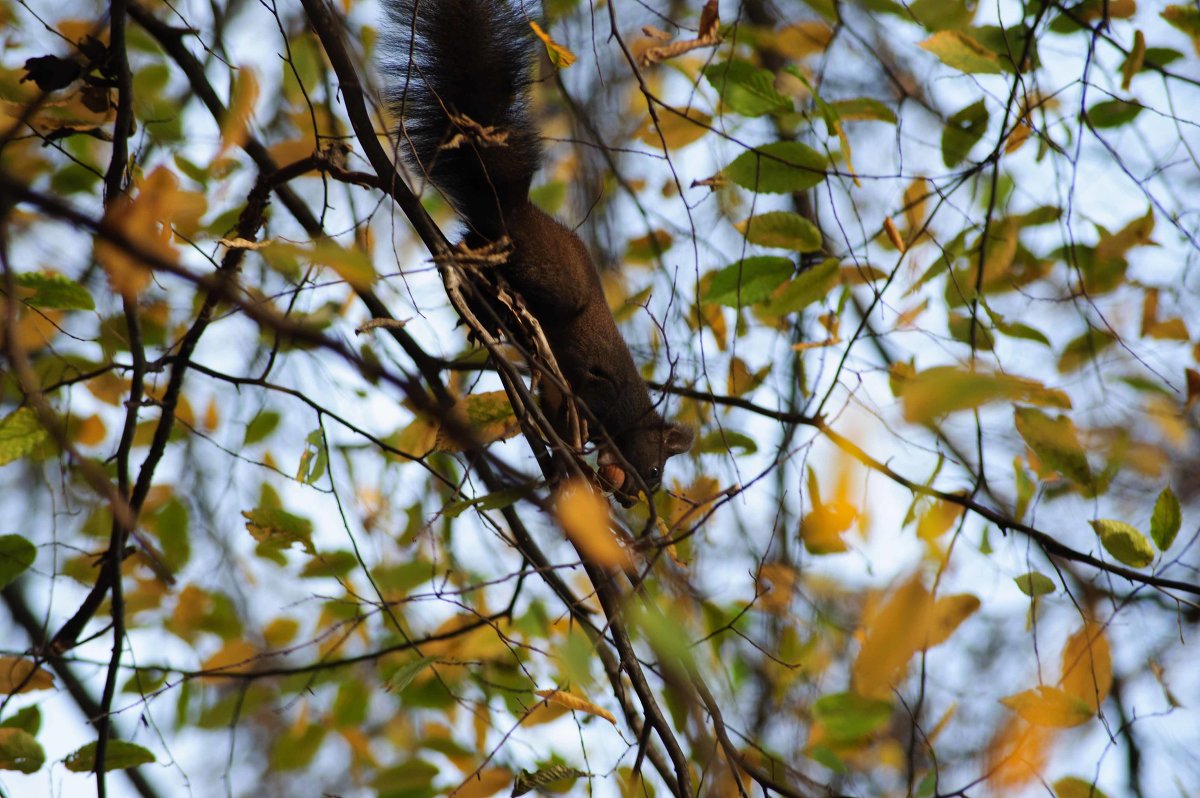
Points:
[(483, 784), (583, 514), (235, 125), (23, 675), (1087, 666), (948, 613), (236, 656), (895, 632)]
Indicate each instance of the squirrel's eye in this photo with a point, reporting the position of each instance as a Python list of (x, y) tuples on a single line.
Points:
[(654, 473)]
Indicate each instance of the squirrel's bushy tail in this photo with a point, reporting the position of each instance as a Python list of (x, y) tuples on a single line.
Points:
[(460, 72)]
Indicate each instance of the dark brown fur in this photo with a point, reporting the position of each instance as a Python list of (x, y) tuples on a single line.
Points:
[(473, 59)]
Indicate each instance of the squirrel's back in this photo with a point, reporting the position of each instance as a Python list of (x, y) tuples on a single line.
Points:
[(461, 72)]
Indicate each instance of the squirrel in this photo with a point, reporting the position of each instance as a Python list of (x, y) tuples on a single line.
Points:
[(463, 71)]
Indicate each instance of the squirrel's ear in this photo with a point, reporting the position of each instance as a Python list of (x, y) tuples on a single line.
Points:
[(678, 439)]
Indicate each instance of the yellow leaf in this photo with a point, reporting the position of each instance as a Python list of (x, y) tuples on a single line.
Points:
[(1173, 329), (236, 656), (191, 608), (896, 631), (907, 320), (292, 150), (351, 264), (145, 220), (543, 713), (1167, 416), (560, 56), (23, 675), (940, 390), (483, 784), (937, 520), (235, 125), (821, 530), (489, 415), (212, 415), (677, 128), (583, 514), (483, 642), (280, 632), (76, 30), (1087, 665), (1135, 60), (1017, 755), (915, 199), (574, 702), (1049, 706), (801, 40), (832, 514), (948, 613), (776, 584)]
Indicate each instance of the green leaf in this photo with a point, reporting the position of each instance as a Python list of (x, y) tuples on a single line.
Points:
[(402, 677), (1008, 44), (723, 441), (1015, 329), (935, 15), (782, 229), (400, 578), (261, 426), (960, 327), (28, 719), (55, 291), (1160, 57), (118, 756), (20, 434), (314, 459), (1124, 542), (1034, 584), (1043, 214), (20, 751), (781, 167), (296, 748), (351, 704), (16, 554), (171, 524), (330, 563), (749, 280), (279, 529), (863, 109), (808, 287), (411, 779), (1055, 442), (1083, 349), (848, 717), (1112, 113), (746, 89), (1166, 519), (962, 52), (492, 501), (963, 130), (1072, 787)]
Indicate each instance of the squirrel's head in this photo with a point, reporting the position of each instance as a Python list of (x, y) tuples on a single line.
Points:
[(646, 449)]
